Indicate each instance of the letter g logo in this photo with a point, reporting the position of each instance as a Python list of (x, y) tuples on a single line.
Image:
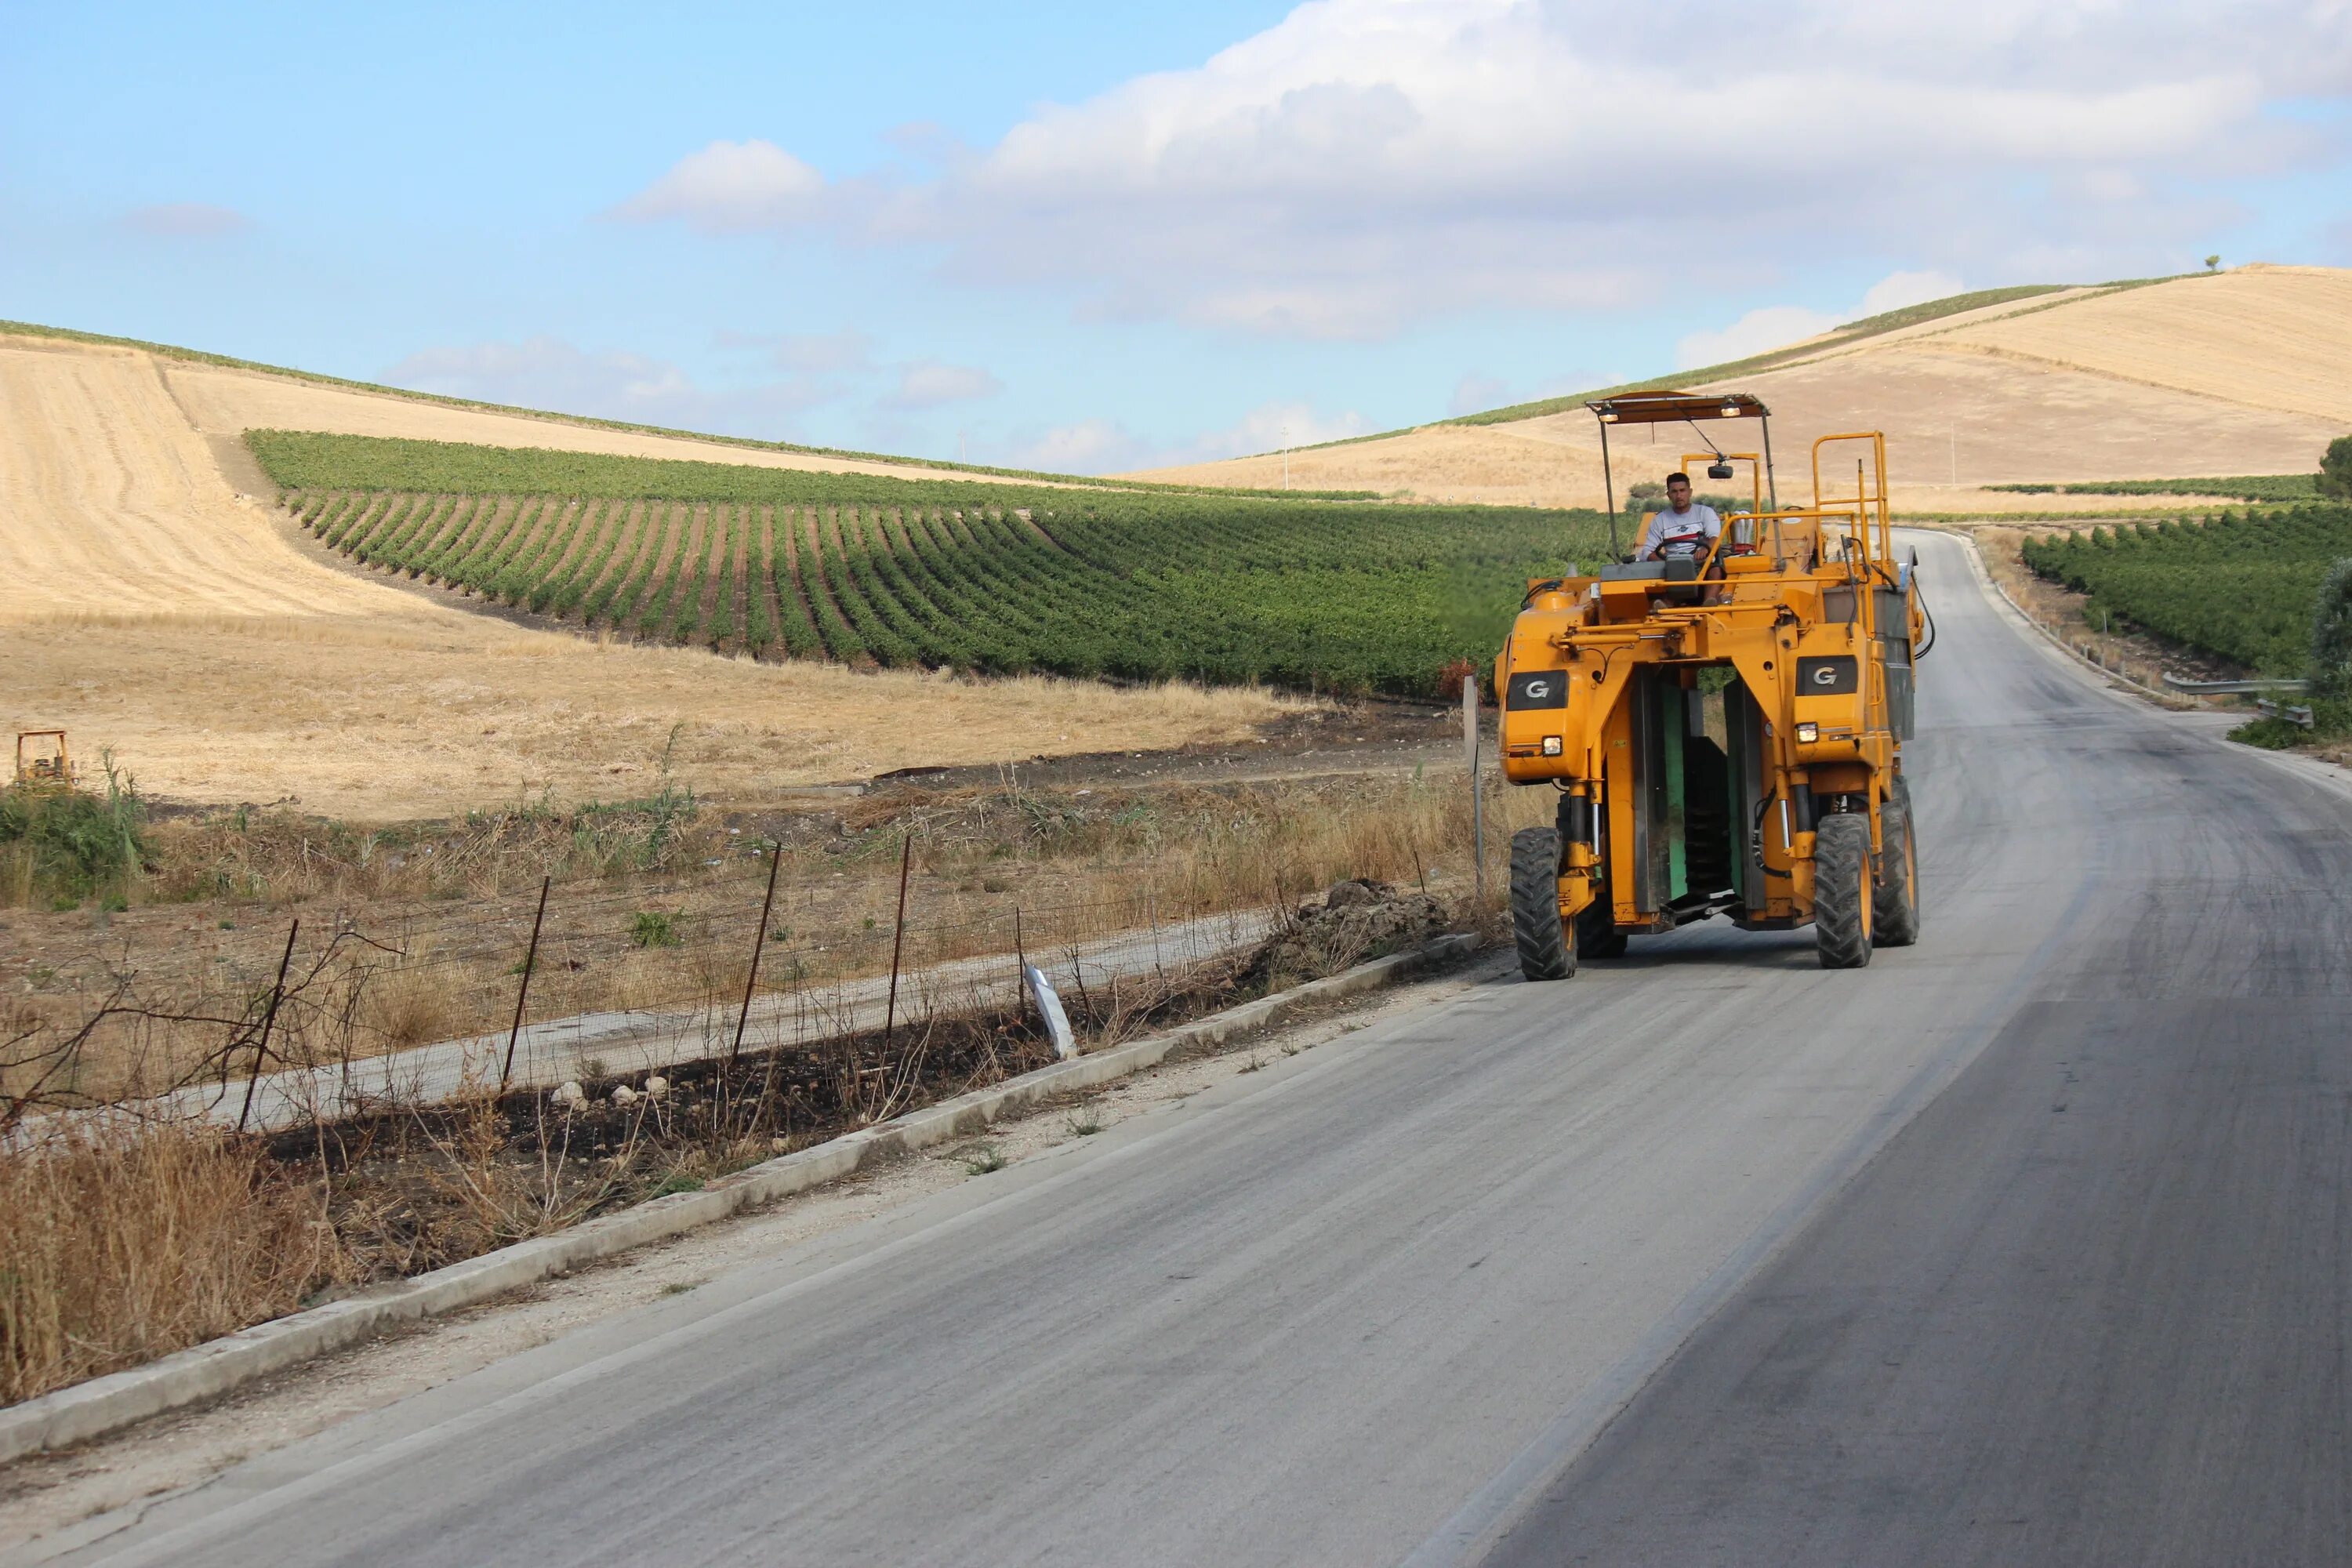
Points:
[(1834, 674), (1536, 689)]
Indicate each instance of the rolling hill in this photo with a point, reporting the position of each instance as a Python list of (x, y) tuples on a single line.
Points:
[(2234, 372), (163, 605)]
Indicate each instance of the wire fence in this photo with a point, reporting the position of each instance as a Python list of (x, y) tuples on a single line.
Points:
[(337, 1018)]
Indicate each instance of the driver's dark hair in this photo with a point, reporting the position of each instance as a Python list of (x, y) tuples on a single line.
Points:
[(1671, 478)]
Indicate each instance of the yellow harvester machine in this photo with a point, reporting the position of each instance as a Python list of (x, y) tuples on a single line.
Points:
[(1725, 733)]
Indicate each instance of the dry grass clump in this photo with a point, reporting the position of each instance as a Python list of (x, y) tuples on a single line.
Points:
[(117, 1246), (410, 1004)]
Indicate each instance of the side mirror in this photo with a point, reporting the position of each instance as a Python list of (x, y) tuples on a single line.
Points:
[(1718, 470)]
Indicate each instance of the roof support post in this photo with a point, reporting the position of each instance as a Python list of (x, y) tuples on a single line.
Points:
[(1609, 487)]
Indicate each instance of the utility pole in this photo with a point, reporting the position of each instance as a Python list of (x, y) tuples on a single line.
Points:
[(1286, 457)]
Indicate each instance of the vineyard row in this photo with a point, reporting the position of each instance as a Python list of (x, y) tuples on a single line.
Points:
[(1337, 598), (2242, 586)]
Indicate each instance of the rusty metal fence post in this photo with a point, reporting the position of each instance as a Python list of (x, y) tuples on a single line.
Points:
[(261, 1047), (759, 942), (898, 936), (530, 964)]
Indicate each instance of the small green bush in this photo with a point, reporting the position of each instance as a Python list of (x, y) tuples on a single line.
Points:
[(2271, 734), (656, 928), (2330, 721), (78, 842)]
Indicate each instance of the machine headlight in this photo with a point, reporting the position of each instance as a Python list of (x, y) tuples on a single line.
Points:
[(1551, 745), (1808, 732)]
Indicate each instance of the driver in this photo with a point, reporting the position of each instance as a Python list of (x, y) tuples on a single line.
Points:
[(1686, 530)]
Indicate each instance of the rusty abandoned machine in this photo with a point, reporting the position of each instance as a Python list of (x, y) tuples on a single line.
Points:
[(1725, 731)]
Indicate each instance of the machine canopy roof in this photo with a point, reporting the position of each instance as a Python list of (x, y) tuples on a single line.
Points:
[(1662, 408)]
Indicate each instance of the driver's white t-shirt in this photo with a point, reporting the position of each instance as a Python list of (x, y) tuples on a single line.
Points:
[(1672, 534)]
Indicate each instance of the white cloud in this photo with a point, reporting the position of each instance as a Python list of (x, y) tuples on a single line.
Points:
[(823, 353), (817, 353), (1900, 291), (186, 220), (1273, 426), (731, 187), (1089, 447), (1769, 328), (548, 373), (1475, 393), (927, 383), (1364, 164), (1104, 446)]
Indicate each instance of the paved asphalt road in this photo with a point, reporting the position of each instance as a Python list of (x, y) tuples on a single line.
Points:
[(2026, 1244)]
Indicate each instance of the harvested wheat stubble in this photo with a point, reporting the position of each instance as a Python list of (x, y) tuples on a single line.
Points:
[(115, 507), (2266, 337)]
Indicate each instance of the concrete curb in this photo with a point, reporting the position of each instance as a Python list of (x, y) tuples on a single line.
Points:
[(103, 1404)]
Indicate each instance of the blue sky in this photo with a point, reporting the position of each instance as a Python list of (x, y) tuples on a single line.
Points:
[(1086, 237)]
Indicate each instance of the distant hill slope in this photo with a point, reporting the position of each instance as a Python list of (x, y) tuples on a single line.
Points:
[(225, 396), (191, 633), (2231, 373)]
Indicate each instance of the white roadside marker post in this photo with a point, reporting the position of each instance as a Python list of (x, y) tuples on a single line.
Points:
[(1477, 794)]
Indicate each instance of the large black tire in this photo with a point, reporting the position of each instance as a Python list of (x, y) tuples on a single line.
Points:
[(1535, 925), (1841, 890), (1895, 907)]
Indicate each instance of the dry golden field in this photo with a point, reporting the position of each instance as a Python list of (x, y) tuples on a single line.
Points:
[(2271, 338), (2239, 374), (152, 610)]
